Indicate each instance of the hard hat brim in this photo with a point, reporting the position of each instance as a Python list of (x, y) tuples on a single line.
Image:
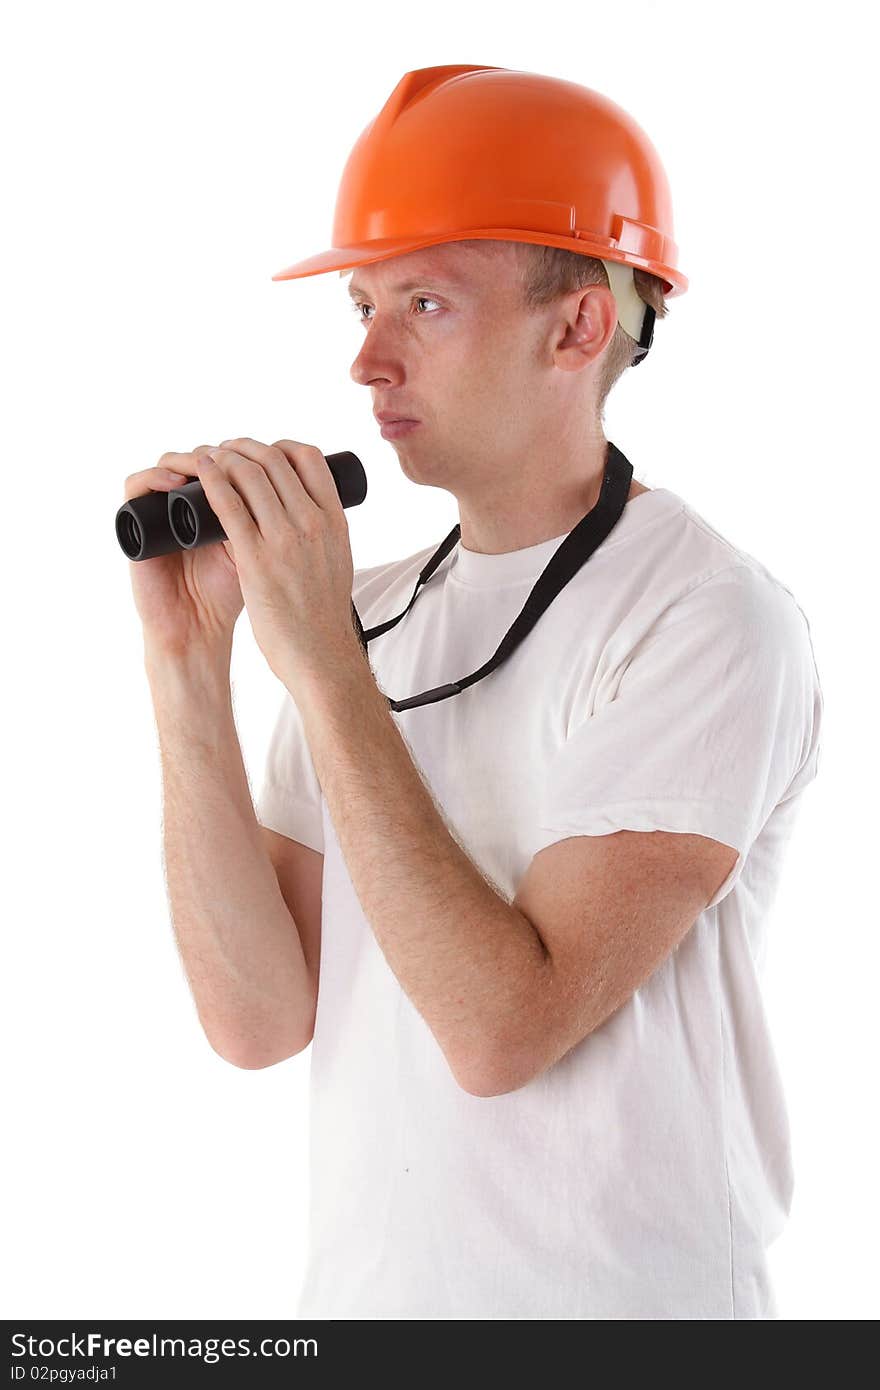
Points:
[(347, 257)]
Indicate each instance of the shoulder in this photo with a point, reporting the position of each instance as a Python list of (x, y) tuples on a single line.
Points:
[(742, 623), (708, 572), (749, 599)]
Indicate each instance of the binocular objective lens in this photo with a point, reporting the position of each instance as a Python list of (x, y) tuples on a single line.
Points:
[(182, 520), (129, 534)]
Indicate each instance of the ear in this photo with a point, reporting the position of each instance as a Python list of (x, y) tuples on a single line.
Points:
[(588, 322)]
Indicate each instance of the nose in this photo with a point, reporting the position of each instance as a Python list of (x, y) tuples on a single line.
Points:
[(378, 360)]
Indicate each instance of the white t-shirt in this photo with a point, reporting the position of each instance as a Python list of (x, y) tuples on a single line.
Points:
[(670, 686)]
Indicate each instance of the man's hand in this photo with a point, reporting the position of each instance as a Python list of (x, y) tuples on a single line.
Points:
[(288, 538)]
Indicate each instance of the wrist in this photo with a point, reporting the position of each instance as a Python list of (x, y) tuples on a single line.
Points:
[(343, 679), (341, 660), (191, 667)]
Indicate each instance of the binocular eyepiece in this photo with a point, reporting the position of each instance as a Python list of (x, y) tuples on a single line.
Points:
[(160, 522)]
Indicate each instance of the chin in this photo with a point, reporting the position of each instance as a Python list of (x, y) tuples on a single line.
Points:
[(420, 467)]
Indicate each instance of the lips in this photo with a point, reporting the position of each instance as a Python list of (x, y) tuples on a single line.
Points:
[(396, 429), (390, 417)]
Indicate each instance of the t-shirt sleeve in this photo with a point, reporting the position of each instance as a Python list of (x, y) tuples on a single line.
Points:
[(289, 800), (708, 723)]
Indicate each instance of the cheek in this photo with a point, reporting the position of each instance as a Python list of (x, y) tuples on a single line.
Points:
[(470, 374), (502, 380)]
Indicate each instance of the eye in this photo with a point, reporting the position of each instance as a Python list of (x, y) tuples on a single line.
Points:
[(357, 306)]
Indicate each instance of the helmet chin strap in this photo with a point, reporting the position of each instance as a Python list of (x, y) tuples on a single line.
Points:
[(634, 316)]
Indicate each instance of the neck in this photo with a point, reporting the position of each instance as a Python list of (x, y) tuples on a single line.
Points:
[(497, 524)]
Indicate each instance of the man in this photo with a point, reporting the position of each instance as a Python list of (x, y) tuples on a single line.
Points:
[(522, 920)]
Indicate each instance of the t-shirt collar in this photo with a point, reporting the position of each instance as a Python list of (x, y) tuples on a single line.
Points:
[(480, 570)]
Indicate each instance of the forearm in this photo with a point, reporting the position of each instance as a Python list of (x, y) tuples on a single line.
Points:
[(237, 940), (468, 960)]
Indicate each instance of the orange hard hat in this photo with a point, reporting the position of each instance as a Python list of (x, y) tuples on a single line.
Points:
[(463, 152)]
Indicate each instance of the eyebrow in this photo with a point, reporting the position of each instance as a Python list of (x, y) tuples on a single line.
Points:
[(407, 286)]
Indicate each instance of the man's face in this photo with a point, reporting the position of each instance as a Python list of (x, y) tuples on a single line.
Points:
[(448, 342)]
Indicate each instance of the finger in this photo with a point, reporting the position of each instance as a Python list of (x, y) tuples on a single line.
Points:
[(279, 469), (235, 494), (183, 463), (249, 477), (313, 472), (155, 480)]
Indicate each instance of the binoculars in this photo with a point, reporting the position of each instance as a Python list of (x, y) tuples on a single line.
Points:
[(160, 522)]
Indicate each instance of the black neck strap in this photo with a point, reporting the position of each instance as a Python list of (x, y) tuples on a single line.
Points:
[(565, 562)]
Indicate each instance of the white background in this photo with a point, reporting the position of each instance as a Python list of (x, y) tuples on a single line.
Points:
[(160, 163)]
